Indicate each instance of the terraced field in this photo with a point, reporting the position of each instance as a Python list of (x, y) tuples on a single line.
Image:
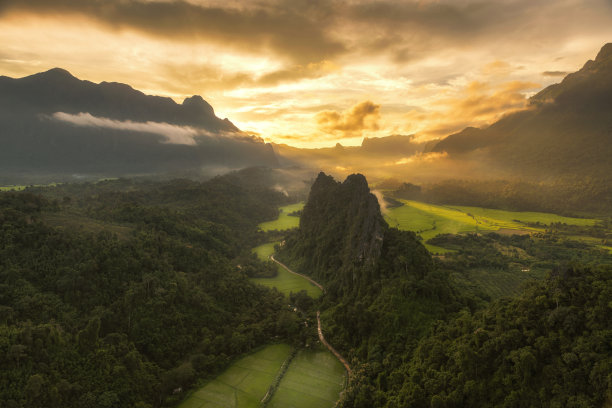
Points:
[(244, 383), (429, 220), (284, 220), (314, 379), (285, 282)]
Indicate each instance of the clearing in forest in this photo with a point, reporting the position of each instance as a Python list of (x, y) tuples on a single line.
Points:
[(285, 282), (284, 220)]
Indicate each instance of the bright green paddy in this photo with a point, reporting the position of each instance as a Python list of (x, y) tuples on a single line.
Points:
[(284, 220), (285, 282), (429, 220), (244, 383), (314, 379)]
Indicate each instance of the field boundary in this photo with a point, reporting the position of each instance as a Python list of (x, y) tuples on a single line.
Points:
[(279, 376)]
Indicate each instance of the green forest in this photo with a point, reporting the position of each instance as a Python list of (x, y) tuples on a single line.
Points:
[(119, 293), (131, 292)]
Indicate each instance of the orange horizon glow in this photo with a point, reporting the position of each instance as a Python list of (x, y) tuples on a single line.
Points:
[(316, 77)]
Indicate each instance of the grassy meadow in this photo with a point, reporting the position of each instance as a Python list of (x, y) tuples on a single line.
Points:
[(314, 379), (285, 282), (244, 383), (429, 220), (284, 220)]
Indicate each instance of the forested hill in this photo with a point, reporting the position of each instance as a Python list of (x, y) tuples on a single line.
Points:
[(344, 241), (382, 289), (414, 339), (114, 294)]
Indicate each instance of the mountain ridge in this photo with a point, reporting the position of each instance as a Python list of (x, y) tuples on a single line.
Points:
[(56, 125), (566, 130)]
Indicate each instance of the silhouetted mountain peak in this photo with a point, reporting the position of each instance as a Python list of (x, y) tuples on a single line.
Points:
[(595, 76), (566, 131), (57, 73), (31, 137), (196, 104), (605, 53), (54, 75)]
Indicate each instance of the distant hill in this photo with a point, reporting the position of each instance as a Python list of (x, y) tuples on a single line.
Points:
[(52, 122), (566, 131), (366, 158)]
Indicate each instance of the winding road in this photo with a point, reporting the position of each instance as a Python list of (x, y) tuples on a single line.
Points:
[(319, 330)]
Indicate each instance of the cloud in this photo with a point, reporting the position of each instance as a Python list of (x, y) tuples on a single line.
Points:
[(363, 116), (295, 29), (207, 76), (477, 104), (554, 73), (173, 134), (421, 158)]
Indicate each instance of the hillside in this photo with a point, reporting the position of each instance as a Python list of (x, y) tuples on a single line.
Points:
[(126, 291), (381, 284), (416, 335), (566, 131), (55, 123)]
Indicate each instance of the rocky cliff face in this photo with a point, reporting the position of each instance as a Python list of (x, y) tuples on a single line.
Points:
[(344, 242), (348, 215)]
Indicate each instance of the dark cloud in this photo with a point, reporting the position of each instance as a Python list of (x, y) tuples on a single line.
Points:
[(554, 73), (411, 30), (296, 29), (308, 31)]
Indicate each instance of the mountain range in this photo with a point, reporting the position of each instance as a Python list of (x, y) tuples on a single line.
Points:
[(55, 123)]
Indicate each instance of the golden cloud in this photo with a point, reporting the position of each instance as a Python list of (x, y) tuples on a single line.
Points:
[(480, 105), (363, 116)]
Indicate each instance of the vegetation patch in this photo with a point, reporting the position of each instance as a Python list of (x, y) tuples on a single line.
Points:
[(285, 281), (244, 383), (429, 220), (315, 378), (264, 251), (285, 220)]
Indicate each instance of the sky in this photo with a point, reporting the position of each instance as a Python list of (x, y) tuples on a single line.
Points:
[(313, 73)]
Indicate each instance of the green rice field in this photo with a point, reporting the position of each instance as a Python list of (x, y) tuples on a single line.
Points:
[(244, 383), (284, 220), (314, 379), (429, 220), (285, 282)]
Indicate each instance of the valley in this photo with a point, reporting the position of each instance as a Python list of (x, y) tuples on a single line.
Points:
[(308, 377), (408, 205)]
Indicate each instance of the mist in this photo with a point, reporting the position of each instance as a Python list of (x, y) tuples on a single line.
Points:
[(173, 134)]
